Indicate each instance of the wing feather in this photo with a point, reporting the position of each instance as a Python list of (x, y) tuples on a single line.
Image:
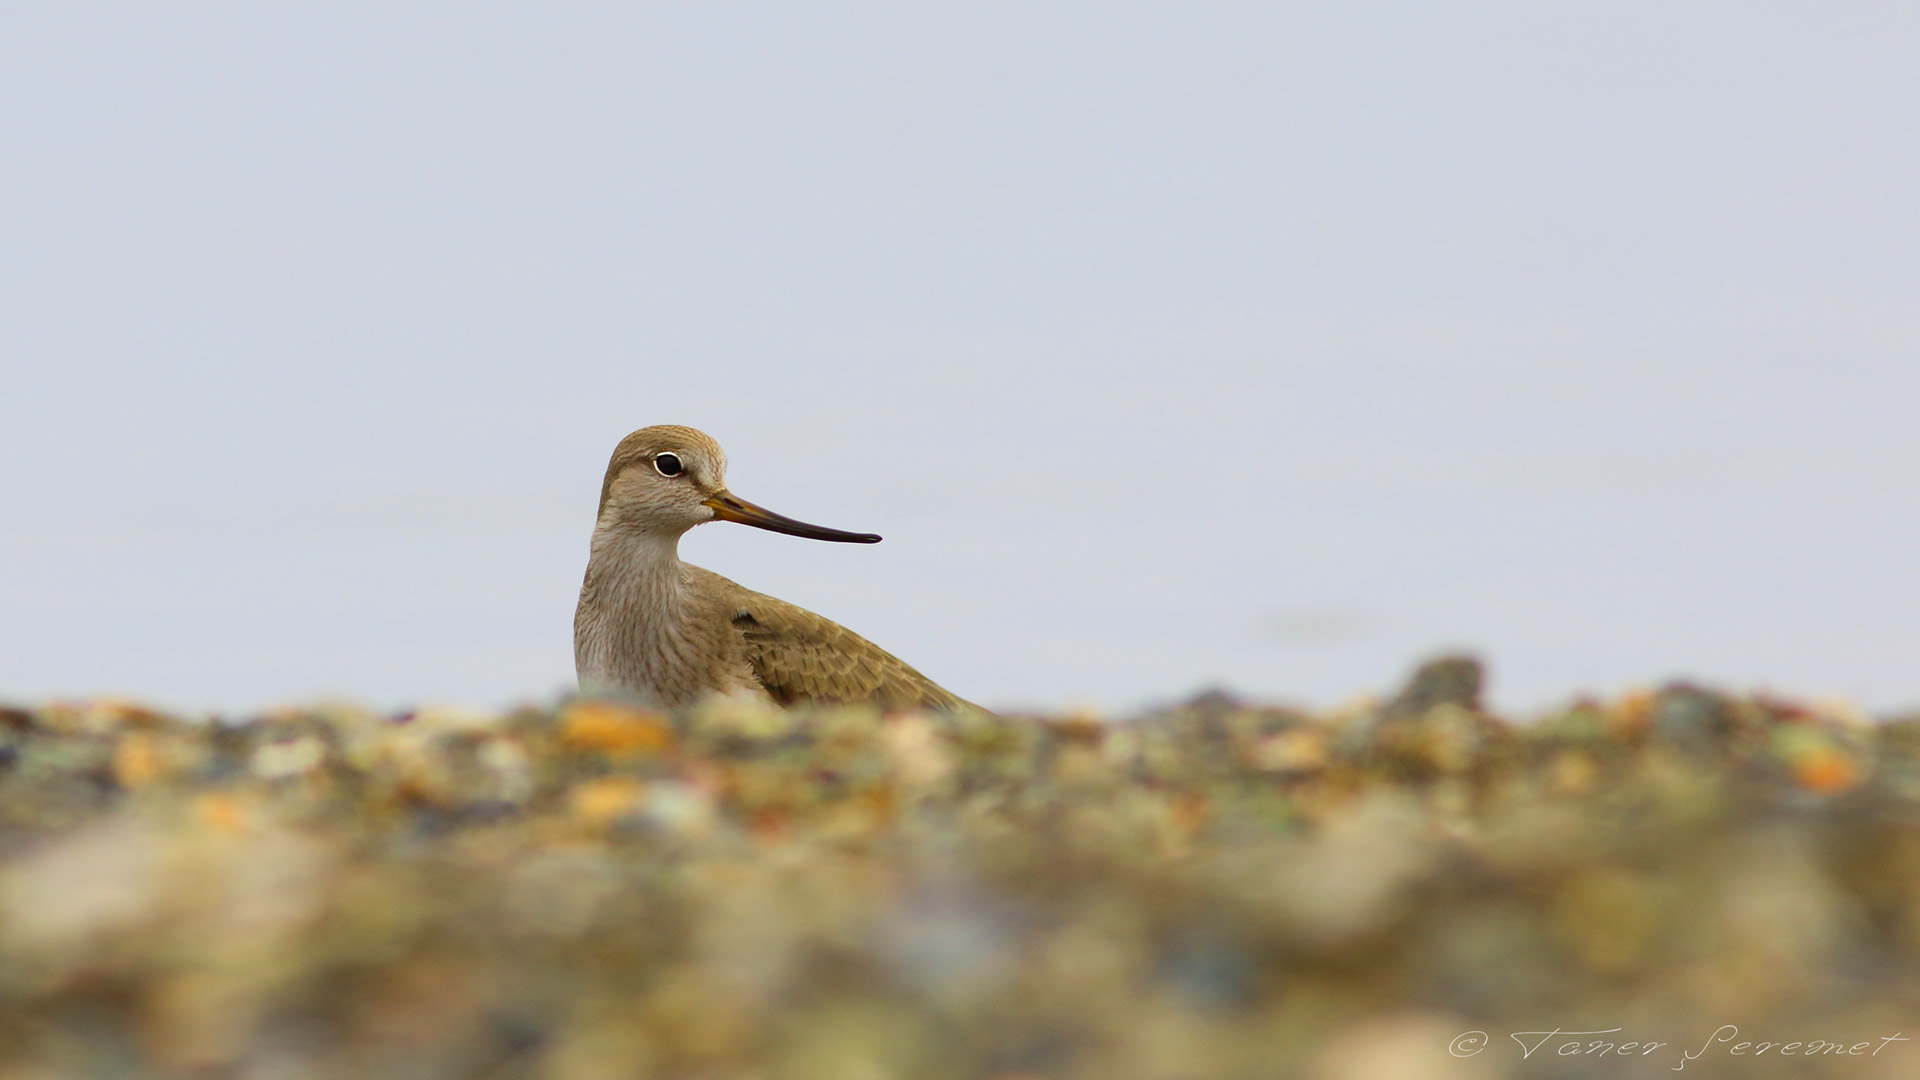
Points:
[(801, 657)]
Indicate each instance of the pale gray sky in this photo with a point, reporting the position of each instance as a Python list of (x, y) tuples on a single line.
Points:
[(1167, 344)]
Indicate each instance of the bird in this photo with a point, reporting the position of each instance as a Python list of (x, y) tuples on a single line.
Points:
[(667, 633)]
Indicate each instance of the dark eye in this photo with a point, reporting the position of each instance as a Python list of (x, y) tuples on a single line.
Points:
[(667, 464)]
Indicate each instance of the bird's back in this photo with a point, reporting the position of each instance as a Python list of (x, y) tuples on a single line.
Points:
[(801, 657)]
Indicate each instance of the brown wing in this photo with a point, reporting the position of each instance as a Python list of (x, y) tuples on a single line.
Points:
[(801, 657)]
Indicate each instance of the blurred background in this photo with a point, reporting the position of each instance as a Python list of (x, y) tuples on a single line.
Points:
[(1168, 345)]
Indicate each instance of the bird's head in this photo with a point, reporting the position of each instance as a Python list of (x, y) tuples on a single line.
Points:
[(664, 480)]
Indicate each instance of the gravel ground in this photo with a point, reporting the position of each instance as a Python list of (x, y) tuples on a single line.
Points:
[(1403, 889)]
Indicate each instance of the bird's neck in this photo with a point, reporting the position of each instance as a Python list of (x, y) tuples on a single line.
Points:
[(645, 561), (632, 610)]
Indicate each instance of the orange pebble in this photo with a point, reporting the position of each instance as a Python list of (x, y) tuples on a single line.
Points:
[(1826, 771), (136, 761), (1632, 714), (219, 811), (1190, 811), (599, 802), (610, 728)]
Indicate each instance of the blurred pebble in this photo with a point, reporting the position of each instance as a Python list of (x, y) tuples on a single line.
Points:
[(278, 760), (1214, 889), (612, 728)]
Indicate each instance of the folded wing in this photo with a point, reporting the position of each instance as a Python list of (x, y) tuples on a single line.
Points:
[(801, 657)]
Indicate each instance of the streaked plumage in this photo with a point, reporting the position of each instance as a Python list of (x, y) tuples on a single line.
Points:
[(669, 633)]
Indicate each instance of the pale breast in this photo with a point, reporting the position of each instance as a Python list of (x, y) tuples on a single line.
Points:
[(645, 629)]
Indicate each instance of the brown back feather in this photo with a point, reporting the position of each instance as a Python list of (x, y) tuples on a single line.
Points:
[(801, 657)]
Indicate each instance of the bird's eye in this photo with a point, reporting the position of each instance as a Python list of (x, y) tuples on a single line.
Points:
[(667, 464)]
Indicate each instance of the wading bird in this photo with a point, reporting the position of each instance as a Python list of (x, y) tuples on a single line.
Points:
[(669, 633)]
